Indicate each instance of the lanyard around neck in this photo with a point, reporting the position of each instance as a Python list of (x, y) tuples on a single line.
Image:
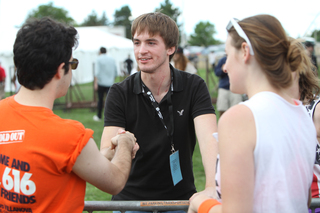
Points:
[(170, 129)]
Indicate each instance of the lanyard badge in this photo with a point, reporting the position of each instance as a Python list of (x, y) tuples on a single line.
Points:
[(174, 157), (175, 168)]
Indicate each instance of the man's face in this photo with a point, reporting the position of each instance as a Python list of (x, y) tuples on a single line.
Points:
[(151, 52)]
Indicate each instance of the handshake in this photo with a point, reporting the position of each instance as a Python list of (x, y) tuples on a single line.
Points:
[(123, 140), (128, 139)]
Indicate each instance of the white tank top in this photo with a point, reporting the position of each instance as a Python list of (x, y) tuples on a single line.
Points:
[(283, 155)]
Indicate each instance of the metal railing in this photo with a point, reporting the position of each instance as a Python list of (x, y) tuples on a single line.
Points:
[(153, 206), (315, 203)]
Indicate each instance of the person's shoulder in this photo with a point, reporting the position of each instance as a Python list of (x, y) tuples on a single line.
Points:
[(239, 111), (184, 73), (68, 123), (69, 128), (5, 102), (192, 79), (126, 84), (237, 116)]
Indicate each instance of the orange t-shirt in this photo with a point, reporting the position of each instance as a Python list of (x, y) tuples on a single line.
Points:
[(37, 152)]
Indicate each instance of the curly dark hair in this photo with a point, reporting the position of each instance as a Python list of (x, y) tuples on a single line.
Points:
[(40, 47)]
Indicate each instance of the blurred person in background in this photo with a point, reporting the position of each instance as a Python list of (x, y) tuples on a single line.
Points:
[(2, 81), (181, 62), (104, 78), (310, 51), (212, 59), (129, 64), (225, 98)]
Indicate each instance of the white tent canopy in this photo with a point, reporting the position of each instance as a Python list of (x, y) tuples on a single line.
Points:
[(7, 38), (90, 41)]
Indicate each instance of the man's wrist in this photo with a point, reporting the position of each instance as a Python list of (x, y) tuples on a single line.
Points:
[(124, 139)]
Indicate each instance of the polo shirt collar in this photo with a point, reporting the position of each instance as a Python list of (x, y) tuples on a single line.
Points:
[(177, 81)]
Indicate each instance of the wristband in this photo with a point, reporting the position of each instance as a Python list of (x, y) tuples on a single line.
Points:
[(207, 205)]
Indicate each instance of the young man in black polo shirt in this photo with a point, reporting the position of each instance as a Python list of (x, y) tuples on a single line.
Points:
[(165, 109)]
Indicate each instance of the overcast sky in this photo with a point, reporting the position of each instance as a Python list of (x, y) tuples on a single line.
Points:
[(296, 16)]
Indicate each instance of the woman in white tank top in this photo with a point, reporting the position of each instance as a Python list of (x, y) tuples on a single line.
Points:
[(267, 144)]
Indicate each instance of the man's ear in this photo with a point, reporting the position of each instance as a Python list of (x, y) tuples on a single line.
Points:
[(60, 71), (171, 50)]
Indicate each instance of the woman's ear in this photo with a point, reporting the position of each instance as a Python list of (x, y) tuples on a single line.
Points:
[(60, 71), (246, 51)]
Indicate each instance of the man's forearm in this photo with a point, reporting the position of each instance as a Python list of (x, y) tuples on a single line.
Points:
[(123, 157), (209, 159)]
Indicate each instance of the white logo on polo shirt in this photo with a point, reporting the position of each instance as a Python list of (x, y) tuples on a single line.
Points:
[(181, 112)]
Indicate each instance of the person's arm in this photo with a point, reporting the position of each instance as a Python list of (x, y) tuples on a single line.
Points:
[(107, 149), (219, 68), (198, 200), (95, 78), (236, 132), (95, 83), (310, 197), (205, 125), (105, 146), (316, 120), (237, 138), (108, 176)]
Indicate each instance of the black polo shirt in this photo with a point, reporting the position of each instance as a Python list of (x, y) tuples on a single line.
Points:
[(127, 107)]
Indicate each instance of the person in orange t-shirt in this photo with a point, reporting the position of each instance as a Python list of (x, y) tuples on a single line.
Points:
[(45, 160)]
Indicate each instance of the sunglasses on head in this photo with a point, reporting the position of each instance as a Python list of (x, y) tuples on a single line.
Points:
[(74, 63), (233, 22)]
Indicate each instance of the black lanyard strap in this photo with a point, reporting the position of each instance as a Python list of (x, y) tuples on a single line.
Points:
[(170, 129)]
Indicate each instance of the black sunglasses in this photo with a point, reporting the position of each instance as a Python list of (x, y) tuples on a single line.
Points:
[(74, 63)]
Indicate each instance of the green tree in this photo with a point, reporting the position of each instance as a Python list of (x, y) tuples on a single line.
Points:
[(93, 20), (122, 18), (171, 11), (104, 19), (316, 34), (56, 13), (168, 9), (203, 35)]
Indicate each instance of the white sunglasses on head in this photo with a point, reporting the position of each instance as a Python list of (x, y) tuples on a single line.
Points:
[(240, 32)]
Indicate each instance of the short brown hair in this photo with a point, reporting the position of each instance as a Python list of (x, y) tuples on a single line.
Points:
[(157, 23), (277, 54)]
